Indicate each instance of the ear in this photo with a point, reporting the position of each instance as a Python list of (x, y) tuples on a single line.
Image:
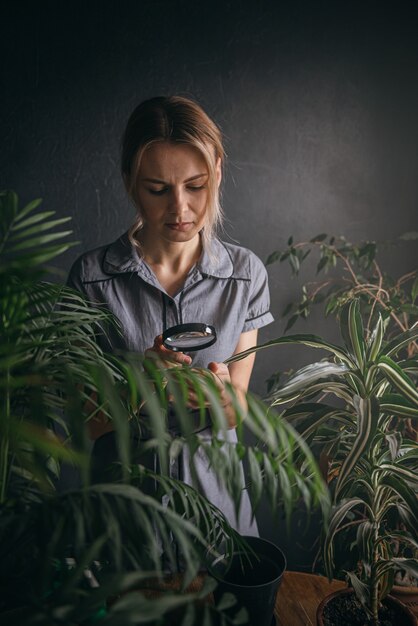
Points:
[(218, 171)]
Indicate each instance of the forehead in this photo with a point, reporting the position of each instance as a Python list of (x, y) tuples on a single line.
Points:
[(170, 161)]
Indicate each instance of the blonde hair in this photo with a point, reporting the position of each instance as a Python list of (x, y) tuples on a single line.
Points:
[(172, 119)]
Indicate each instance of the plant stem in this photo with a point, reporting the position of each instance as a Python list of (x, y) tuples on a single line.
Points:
[(374, 582)]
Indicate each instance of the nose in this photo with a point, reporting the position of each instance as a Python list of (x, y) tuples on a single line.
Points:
[(178, 203)]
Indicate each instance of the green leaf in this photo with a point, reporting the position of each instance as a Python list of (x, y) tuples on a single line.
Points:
[(256, 484), (406, 495), (33, 219), (361, 590), (404, 339), (273, 257), (414, 290), (38, 228), (365, 540), (338, 515), (322, 263), (312, 341), (367, 416), (38, 241), (287, 309), (352, 331), (410, 309), (398, 405), (291, 322), (408, 565), (398, 378), (319, 238), (294, 262), (322, 371), (376, 340), (394, 442), (396, 469)]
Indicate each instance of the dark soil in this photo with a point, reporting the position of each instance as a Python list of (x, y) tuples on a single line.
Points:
[(346, 610)]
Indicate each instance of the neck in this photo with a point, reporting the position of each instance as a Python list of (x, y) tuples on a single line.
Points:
[(174, 256)]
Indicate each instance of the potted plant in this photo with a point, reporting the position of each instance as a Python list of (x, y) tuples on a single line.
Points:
[(65, 554), (348, 408), (346, 270)]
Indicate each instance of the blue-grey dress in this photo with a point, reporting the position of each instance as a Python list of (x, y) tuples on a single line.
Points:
[(227, 289)]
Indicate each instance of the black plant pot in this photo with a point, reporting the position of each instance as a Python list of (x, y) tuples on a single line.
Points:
[(254, 579)]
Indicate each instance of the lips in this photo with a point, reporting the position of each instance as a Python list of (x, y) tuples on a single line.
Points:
[(181, 227)]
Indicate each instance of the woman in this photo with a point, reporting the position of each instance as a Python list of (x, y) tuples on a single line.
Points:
[(170, 268)]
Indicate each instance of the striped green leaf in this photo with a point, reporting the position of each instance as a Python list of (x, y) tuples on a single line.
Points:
[(398, 378), (313, 341), (340, 390), (309, 421), (351, 326), (338, 515), (396, 404), (361, 590), (367, 415), (410, 475), (376, 339), (394, 441), (408, 565), (365, 540), (322, 371), (402, 340), (405, 494)]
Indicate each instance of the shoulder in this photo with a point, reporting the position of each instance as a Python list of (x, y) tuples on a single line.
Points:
[(246, 263), (89, 266), (106, 261)]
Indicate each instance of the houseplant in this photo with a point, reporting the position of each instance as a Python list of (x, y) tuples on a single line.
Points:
[(348, 408), (346, 270), (64, 554)]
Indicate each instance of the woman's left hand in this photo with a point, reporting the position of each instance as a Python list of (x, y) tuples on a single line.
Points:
[(222, 377)]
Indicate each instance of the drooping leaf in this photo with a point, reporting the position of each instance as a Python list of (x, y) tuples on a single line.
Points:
[(367, 415), (352, 331), (337, 517), (319, 238), (312, 341), (376, 340), (396, 404), (398, 378)]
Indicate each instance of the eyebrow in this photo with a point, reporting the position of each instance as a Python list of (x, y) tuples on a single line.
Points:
[(163, 182)]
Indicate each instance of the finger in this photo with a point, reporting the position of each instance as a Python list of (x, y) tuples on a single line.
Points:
[(166, 354), (221, 369)]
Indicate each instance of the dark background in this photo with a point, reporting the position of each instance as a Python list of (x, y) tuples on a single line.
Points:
[(317, 101)]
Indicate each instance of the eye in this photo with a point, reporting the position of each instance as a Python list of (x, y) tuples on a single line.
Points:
[(196, 188), (157, 192)]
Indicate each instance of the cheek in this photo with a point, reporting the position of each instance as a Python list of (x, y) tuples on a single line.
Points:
[(203, 203), (149, 206)]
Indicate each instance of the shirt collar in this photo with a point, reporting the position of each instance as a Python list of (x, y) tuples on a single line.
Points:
[(121, 257), (216, 262)]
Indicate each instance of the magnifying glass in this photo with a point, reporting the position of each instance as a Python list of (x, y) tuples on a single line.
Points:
[(189, 337)]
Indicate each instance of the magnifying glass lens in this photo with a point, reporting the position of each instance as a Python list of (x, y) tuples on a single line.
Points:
[(189, 337)]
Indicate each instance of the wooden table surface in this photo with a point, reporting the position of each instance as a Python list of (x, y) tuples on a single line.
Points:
[(299, 596), (297, 600)]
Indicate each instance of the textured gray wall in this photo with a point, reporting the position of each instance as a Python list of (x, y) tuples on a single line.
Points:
[(317, 100)]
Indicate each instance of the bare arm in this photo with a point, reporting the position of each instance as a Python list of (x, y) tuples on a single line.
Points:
[(238, 374)]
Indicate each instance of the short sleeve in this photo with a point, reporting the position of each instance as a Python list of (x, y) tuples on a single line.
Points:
[(74, 279), (258, 314)]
